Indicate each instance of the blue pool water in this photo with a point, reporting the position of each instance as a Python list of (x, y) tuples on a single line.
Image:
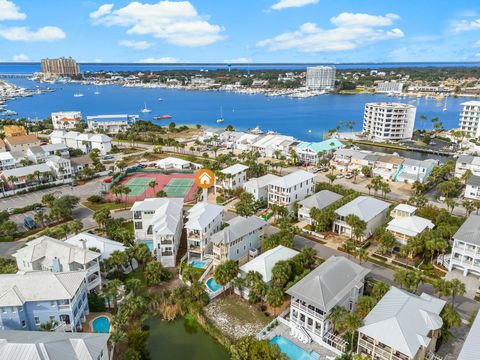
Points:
[(293, 351), (199, 264), (149, 244), (101, 325), (212, 285)]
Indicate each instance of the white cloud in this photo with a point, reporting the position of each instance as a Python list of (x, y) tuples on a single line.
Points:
[(162, 60), (351, 31), (351, 19), (20, 58), (284, 4), (10, 11), (239, 60), (466, 25), (22, 33), (102, 11), (138, 45), (176, 22)]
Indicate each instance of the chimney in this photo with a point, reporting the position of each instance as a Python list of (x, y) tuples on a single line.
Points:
[(84, 244)]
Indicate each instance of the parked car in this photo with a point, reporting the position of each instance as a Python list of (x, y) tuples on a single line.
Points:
[(339, 176), (349, 176), (323, 169), (10, 210), (107, 157), (38, 209), (29, 223)]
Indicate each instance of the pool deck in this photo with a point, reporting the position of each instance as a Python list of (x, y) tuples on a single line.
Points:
[(88, 327), (284, 330)]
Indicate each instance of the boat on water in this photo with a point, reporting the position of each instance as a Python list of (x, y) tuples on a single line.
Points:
[(160, 99), (220, 119), (96, 91), (162, 117), (9, 112), (145, 109), (78, 95), (445, 105)]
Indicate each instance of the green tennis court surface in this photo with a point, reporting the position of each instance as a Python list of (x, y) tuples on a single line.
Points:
[(178, 187), (138, 185)]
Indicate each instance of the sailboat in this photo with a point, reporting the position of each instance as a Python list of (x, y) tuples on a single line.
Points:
[(79, 94), (220, 119), (445, 105), (145, 109), (160, 99), (96, 91)]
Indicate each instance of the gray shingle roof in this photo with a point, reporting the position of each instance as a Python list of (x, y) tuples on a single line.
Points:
[(470, 230), (326, 285), (320, 200), (365, 207), (35, 345)]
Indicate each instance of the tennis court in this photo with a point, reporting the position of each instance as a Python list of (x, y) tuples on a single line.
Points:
[(178, 187), (138, 185)]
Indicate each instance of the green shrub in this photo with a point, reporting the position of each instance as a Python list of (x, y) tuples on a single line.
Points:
[(96, 303), (95, 199), (220, 199)]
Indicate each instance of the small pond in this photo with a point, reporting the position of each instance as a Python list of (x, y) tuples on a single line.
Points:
[(182, 339)]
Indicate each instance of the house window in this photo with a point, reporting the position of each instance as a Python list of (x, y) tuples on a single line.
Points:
[(53, 303), (24, 324), (138, 225), (52, 318), (37, 320)]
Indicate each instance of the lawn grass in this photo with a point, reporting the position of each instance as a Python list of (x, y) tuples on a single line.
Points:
[(242, 311), (107, 205), (136, 274)]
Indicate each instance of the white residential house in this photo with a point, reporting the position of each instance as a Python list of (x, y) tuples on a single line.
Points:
[(311, 152), (7, 161), (338, 282), (244, 142), (159, 221), (203, 220), (467, 162), (21, 175), (84, 142), (111, 124), (56, 149), (320, 201), (413, 170), (258, 187), (31, 345), (472, 190), (263, 264), (402, 326), (405, 225), (36, 154), (233, 177), (368, 209), (61, 167), (465, 254), (48, 254), (291, 188), (241, 238), (66, 120), (269, 144), (172, 163), (96, 243)]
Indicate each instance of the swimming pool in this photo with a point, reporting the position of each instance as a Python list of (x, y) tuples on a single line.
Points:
[(149, 244), (212, 285), (101, 325), (199, 264), (293, 351)]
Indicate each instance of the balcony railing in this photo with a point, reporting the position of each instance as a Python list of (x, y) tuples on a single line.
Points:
[(308, 311), (167, 253), (195, 249), (379, 352)]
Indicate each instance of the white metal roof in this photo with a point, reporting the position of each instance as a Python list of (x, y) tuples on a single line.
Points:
[(292, 179), (403, 320), (17, 289), (238, 227), (320, 200), (25, 170), (47, 249), (6, 156), (365, 207), (234, 169), (410, 225), (167, 213), (48, 345), (265, 262), (471, 346), (202, 214), (106, 246), (406, 208), (260, 182)]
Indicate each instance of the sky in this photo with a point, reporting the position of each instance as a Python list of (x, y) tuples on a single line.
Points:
[(241, 31)]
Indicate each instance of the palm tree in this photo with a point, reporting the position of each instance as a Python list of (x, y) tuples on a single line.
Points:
[(348, 246), (355, 173), (117, 336), (379, 289), (112, 288), (350, 324), (225, 273), (450, 316), (457, 288), (12, 180), (361, 254), (142, 254), (153, 184), (75, 226), (275, 297), (364, 305)]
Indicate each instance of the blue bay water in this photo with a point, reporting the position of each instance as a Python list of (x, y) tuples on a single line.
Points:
[(288, 116)]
